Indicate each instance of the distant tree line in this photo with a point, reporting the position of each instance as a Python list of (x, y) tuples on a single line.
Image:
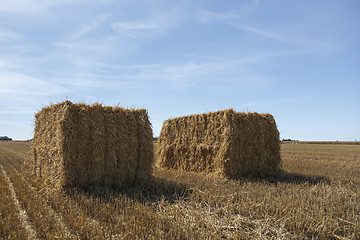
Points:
[(289, 140), (5, 138)]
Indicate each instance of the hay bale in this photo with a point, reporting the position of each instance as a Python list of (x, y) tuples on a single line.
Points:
[(91, 145), (226, 142)]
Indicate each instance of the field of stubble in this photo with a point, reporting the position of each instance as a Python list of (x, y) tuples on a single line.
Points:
[(317, 196)]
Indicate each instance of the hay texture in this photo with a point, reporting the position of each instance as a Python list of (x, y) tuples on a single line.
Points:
[(226, 142), (91, 145)]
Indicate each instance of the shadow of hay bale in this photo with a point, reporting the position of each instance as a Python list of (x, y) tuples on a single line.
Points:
[(285, 177), (140, 191)]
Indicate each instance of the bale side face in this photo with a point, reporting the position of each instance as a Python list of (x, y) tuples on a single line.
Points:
[(47, 146), (255, 145), (95, 145), (225, 142), (196, 143)]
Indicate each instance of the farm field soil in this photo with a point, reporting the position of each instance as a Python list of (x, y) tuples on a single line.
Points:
[(317, 196)]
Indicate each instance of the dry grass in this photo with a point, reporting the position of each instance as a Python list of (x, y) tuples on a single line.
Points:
[(336, 162), (10, 225), (317, 196)]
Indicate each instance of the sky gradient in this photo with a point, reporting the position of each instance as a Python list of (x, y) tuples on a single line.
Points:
[(298, 60)]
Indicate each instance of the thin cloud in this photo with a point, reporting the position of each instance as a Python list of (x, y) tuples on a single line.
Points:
[(85, 30), (181, 75), (6, 64), (146, 27), (33, 6), (16, 84), (137, 25), (18, 111), (207, 16), (232, 18), (12, 123), (176, 76), (276, 102), (6, 35), (264, 33), (242, 10), (314, 46)]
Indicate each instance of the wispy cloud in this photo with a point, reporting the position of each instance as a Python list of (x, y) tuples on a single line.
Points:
[(84, 31), (306, 42), (148, 27), (268, 103), (207, 16), (16, 84), (6, 35), (287, 36), (177, 76), (242, 9), (33, 6), (11, 123), (231, 18), (138, 25), (18, 111), (261, 32), (5, 64)]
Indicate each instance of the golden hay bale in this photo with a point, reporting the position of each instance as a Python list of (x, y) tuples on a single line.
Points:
[(226, 142), (82, 145)]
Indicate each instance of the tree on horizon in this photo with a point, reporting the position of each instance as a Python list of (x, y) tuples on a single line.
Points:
[(5, 138)]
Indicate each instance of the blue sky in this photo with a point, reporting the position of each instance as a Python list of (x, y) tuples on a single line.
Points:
[(298, 60)]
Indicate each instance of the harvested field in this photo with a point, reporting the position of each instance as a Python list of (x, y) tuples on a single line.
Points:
[(91, 145), (226, 143), (318, 196), (322, 142)]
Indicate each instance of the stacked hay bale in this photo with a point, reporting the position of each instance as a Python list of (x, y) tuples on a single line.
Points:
[(91, 145), (226, 142)]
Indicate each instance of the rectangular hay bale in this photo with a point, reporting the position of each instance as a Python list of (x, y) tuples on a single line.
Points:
[(226, 142), (91, 145)]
